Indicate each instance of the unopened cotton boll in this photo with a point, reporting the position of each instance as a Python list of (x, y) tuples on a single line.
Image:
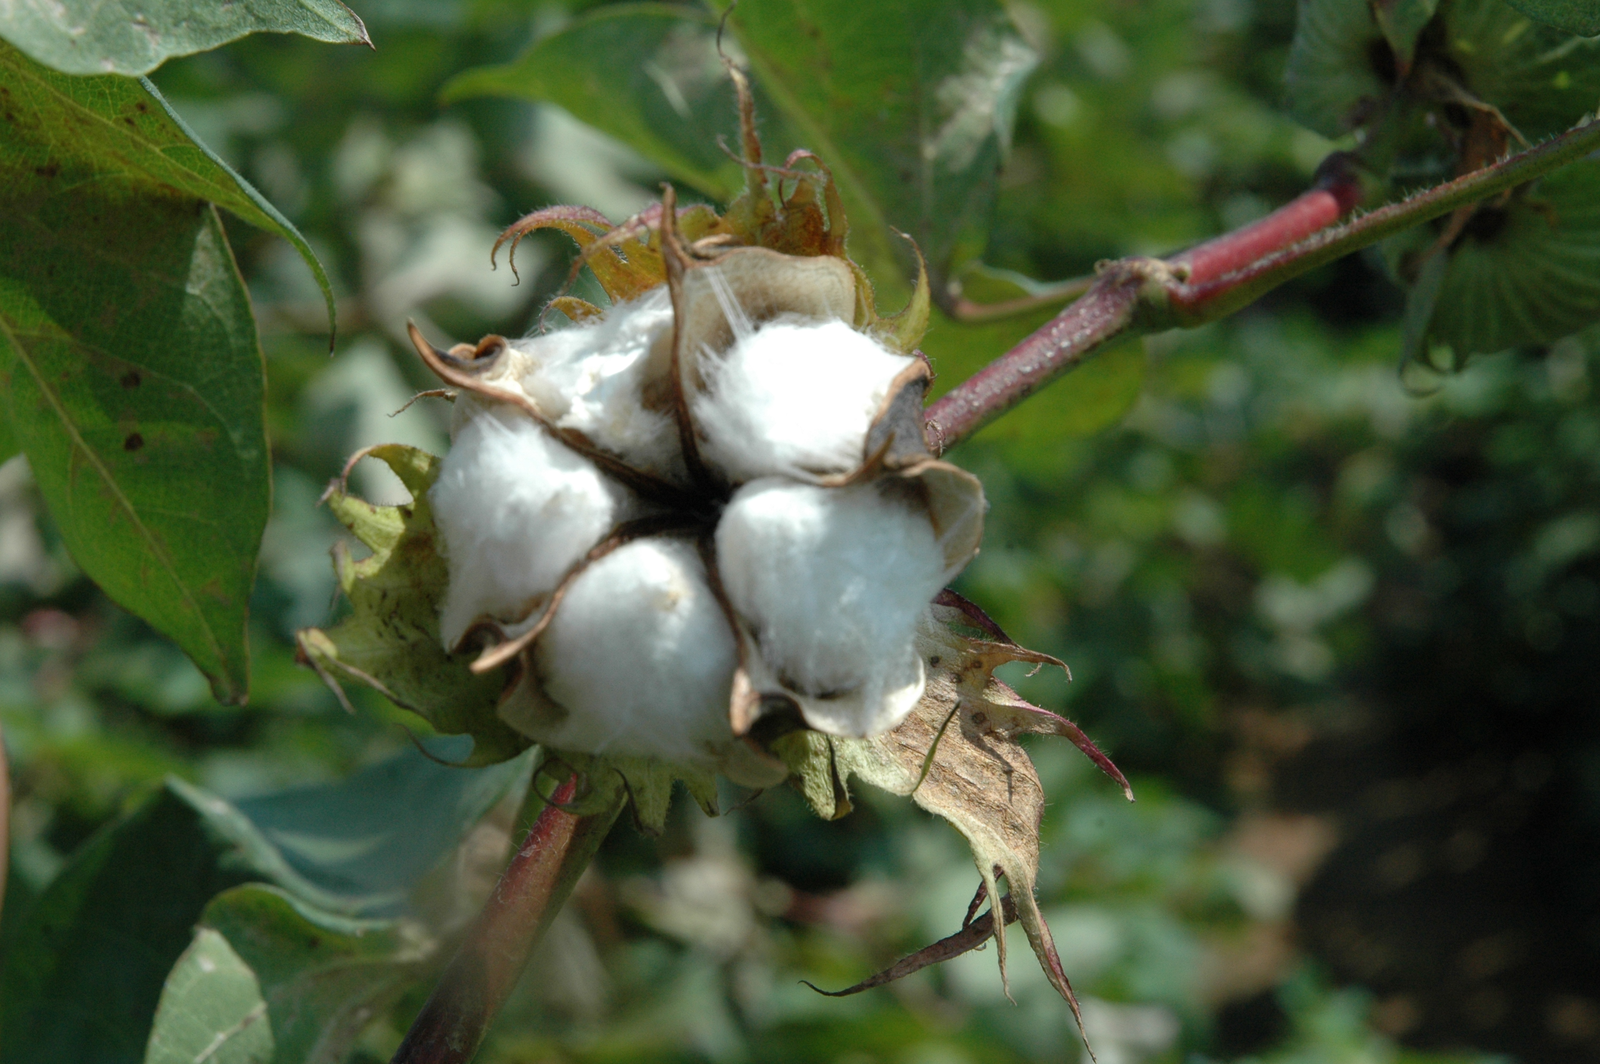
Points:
[(832, 582), (641, 655), (591, 377), (793, 397), (517, 509)]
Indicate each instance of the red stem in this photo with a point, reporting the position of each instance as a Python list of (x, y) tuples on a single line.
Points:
[(1104, 312), (530, 891), (1336, 194), (1221, 276)]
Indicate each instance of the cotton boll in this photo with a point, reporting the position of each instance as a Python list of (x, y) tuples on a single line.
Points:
[(793, 397), (832, 583), (517, 509), (592, 377), (641, 656)]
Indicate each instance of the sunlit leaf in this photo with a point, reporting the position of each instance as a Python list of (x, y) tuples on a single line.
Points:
[(911, 104), (123, 37), (134, 379)]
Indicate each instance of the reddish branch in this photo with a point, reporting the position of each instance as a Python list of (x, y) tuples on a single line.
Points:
[(1221, 276), (529, 893)]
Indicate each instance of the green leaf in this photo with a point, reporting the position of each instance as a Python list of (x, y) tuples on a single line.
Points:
[(82, 974), (123, 37), (910, 104), (133, 376), (1333, 86), (647, 74), (1401, 22), (369, 838), (1528, 273), (1575, 16), (321, 977), (1542, 79), (210, 1010)]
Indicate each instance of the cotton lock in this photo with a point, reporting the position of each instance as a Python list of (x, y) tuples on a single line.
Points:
[(832, 583), (794, 397), (517, 509), (641, 657)]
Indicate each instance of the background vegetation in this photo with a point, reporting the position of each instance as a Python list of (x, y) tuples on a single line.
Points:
[(1340, 624)]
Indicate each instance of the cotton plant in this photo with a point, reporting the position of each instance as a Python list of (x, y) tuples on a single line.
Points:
[(701, 532)]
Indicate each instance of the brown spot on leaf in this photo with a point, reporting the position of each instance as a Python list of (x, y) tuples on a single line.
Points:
[(133, 442), (48, 169), (131, 379)]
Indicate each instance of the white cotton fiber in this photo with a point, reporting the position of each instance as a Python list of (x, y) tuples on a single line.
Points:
[(591, 377), (517, 509), (832, 582), (641, 656), (793, 397)]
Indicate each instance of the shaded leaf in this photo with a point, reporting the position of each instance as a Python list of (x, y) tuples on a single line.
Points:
[(1527, 272), (83, 974), (1574, 16), (211, 1009), (648, 74), (370, 837), (1401, 22), (85, 128), (1333, 85), (322, 977), (122, 37), (391, 639)]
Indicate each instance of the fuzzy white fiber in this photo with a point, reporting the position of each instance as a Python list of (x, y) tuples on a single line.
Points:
[(642, 656), (793, 397), (832, 582), (517, 509), (590, 377)]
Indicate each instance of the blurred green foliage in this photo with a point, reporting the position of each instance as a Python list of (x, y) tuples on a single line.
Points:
[(1249, 542)]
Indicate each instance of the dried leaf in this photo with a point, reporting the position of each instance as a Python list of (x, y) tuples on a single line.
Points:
[(978, 777)]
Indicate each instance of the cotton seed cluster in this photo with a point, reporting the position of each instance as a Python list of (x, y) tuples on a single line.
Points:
[(676, 520)]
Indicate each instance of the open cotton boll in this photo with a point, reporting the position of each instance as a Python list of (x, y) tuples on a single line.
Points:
[(832, 582), (641, 656), (793, 397), (517, 509), (592, 376)]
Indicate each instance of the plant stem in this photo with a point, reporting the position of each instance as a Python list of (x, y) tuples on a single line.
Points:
[(527, 897), (1221, 276)]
